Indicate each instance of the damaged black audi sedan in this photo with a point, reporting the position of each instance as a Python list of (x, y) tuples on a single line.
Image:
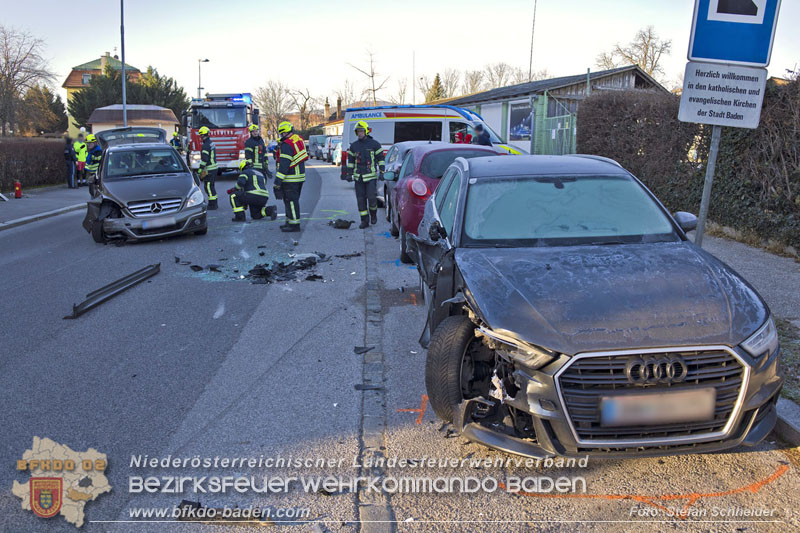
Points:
[(569, 314)]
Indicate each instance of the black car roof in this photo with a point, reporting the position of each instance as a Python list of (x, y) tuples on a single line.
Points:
[(520, 165)]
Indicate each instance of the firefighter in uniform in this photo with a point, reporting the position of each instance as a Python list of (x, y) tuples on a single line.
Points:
[(251, 191), (208, 170), (255, 151), (175, 142), (364, 159), (80, 160), (93, 157), (291, 174)]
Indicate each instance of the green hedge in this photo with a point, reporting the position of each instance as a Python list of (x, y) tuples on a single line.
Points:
[(34, 162), (757, 179)]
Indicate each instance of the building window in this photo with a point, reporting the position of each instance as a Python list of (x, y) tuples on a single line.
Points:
[(86, 79)]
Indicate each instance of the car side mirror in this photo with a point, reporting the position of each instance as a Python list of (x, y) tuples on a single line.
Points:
[(687, 221), (436, 231), (389, 176)]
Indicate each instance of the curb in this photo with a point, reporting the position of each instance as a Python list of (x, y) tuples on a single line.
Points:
[(788, 425), (33, 218)]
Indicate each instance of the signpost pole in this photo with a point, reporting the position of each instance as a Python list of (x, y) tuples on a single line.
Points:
[(712, 163)]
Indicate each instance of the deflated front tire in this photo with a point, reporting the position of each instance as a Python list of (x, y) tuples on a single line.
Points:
[(445, 363)]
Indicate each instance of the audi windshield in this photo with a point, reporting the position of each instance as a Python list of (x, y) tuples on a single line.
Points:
[(219, 117), (123, 164), (562, 211)]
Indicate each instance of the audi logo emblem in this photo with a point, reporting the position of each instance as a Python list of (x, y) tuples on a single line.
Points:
[(650, 369), (155, 207)]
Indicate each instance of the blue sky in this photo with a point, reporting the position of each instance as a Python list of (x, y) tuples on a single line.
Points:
[(246, 41)]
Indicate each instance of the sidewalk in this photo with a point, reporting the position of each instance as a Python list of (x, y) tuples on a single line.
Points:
[(40, 203)]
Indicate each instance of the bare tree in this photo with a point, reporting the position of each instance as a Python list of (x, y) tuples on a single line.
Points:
[(399, 97), (22, 66), (274, 102), (347, 93), (450, 79), (498, 75), (424, 84), (371, 74), (304, 103), (519, 75), (646, 50), (473, 82)]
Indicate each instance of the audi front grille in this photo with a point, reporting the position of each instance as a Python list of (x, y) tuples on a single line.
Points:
[(153, 208), (587, 378)]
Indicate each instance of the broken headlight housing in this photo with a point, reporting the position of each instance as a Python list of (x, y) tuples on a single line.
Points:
[(526, 354), (764, 340), (195, 198)]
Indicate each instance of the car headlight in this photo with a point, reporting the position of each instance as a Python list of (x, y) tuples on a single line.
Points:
[(196, 198), (764, 340), (524, 353)]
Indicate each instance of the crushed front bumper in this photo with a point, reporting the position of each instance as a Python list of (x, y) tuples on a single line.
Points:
[(751, 421), (187, 220)]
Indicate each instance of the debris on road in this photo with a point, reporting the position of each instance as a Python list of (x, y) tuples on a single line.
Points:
[(341, 223), (262, 274), (348, 256), (367, 386), (214, 268), (362, 349), (314, 277), (95, 298), (196, 268), (177, 259)]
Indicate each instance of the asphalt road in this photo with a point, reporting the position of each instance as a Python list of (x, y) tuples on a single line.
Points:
[(203, 364)]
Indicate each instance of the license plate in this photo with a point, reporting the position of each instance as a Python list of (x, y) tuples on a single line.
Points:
[(159, 222), (658, 408)]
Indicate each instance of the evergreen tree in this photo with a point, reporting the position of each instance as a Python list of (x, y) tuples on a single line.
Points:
[(42, 111), (436, 91)]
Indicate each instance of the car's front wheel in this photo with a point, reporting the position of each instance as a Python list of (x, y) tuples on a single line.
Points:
[(98, 235), (451, 370)]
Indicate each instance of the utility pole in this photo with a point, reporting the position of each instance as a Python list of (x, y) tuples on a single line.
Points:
[(124, 76), (533, 27), (199, 83), (413, 77)]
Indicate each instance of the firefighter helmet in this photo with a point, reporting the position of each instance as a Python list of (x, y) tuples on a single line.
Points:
[(285, 127), (362, 125), (243, 163), (252, 127), (91, 138), (203, 130)]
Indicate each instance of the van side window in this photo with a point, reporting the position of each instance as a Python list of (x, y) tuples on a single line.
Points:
[(417, 131), (459, 127)]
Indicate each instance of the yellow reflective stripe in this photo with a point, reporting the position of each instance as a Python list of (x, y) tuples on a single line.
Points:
[(280, 175), (293, 220), (363, 213), (259, 192), (287, 156)]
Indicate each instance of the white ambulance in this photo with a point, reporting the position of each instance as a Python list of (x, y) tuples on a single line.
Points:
[(398, 123)]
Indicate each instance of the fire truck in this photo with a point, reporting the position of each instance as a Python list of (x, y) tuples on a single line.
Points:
[(227, 116)]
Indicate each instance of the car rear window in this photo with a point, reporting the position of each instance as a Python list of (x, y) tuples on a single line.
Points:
[(147, 161), (435, 163), (417, 131)]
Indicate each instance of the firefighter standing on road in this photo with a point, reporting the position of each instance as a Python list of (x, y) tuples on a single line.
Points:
[(251, 191), (208, 167), (255, 151), (291, 174), (93, 157), (364, 159), (176, 142), (80, 160)]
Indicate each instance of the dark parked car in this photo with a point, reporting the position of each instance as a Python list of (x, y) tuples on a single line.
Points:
[(416, 180), (571, 315), (145, 191)]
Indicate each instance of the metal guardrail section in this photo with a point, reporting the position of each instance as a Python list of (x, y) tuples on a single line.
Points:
[(95, 298)]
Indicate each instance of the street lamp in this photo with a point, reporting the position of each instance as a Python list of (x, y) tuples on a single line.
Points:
[(124, 75), (199, 84)]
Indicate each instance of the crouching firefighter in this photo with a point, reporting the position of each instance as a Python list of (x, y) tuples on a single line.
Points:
[(208, 170), (364, 159), (291, 174), (251, 191)]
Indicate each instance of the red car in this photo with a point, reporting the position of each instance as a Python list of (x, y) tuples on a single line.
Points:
[(416, 180)]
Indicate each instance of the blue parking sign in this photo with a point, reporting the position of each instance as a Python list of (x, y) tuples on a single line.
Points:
[(738, 32)]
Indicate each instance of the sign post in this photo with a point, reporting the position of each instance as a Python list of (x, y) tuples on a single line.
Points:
[(725, 78)]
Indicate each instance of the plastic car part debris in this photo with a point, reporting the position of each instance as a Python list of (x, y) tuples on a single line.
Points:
[(214, 268), (95, 298), (314, 277), (362, 349), (367, 386), (266, 273), (341, 223), (348, 256), (177, 259), (196, 268)]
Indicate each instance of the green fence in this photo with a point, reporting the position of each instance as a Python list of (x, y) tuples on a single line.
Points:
[(554, 127)]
